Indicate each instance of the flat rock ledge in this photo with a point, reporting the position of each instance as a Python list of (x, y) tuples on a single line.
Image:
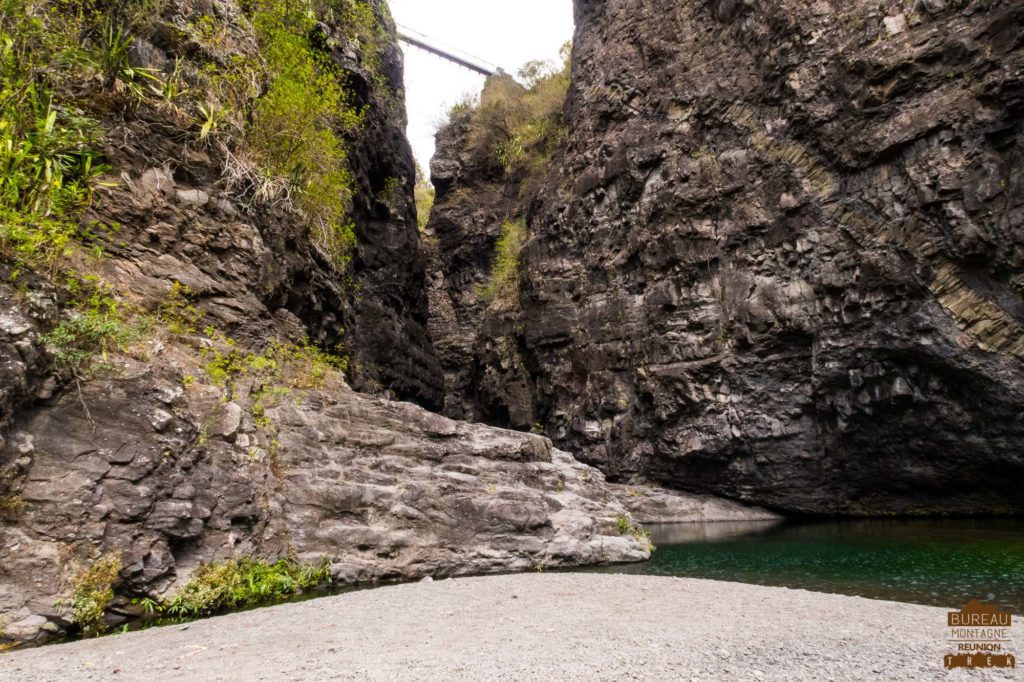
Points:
[(649, 504), (167, 479), (530, 627)]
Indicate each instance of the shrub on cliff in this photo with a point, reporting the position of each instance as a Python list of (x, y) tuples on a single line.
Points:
[(92, 593), (424, 194), (296, 127), (516, 127), (504, 282)]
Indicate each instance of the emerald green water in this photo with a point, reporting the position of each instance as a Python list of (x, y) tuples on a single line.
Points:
[(936, 562)]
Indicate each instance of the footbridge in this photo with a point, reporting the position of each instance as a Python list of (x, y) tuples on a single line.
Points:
[(428, 44)]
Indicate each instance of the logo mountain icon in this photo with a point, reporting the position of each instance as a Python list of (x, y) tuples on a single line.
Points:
[(977, 614)]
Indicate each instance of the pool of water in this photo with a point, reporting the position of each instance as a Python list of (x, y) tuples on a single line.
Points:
[(936, 562)]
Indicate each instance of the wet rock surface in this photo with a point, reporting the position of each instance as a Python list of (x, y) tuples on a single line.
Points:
[(778, 257)]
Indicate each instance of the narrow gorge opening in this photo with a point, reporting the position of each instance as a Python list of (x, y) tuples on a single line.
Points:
[(284, 310)]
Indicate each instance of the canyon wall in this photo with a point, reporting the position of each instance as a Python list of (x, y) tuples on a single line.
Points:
[(178, 336), (778, 256)]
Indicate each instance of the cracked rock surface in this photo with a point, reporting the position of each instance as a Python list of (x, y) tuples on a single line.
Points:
[(384, 490), (778, 257)]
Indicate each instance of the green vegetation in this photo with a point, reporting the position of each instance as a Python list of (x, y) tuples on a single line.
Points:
[(292, 365), (627, 527), (239, 583), (178, 313), (294, 128), (264, 399), (359, 25), (98, 324), (515, 129), (11, 507), (467, 104), (48, 166), (93, 591), (504, 282), (292, 117), (424, 194), (297, 126), (390, 195)]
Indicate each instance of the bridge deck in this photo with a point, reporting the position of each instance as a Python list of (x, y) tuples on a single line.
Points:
[(444, 54)]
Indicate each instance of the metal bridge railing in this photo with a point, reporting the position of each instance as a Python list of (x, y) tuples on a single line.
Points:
[(464, 60)]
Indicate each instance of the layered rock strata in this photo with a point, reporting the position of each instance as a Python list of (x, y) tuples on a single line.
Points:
[(778, 257), (167, 478)]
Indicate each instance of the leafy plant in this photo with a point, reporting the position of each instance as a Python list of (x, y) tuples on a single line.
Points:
[(11, 507), (212, 116), (390, 193), (48, 166), (173, 86), (238, 583), (93, 591), (178, 313), (98, 325), (292, 365), (113, 56), (638, 533)]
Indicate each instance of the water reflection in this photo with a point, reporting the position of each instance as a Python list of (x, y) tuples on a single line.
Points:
[(937, 562), (680, 533)]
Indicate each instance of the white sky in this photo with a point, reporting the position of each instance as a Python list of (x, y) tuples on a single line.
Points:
[(507, 34)]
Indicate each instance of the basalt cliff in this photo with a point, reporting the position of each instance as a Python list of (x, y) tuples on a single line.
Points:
[(776, 254), (208, 242), (770, 252)]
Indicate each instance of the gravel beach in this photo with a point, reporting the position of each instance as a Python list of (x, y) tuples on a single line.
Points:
[(532, 627)]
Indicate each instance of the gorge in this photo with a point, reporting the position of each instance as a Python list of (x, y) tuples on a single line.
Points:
[(738, 259)]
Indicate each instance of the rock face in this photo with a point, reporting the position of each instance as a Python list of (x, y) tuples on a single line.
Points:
[(168, 478), (387, 326), (218, 428), (183, 214), (484, 378), (661, 506), (780, 256)]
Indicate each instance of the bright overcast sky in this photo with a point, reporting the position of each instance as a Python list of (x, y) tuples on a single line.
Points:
[(506, 34)]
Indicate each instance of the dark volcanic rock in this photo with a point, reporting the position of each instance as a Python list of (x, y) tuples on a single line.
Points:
[(183, 214), (388, 327), (780, 256), (475, 340)]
